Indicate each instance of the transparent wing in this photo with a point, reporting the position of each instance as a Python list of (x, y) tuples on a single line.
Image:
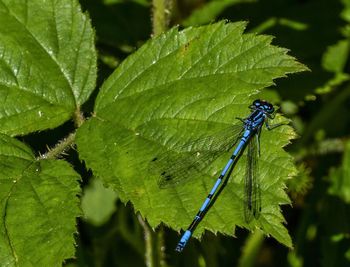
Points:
[(188, 160), (252, 197)]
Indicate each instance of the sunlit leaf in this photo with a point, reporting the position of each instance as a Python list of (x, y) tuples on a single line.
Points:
[(39, 206), (178, 87), (47, 63)]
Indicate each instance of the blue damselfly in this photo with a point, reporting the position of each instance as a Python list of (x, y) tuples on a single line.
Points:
[(172, 172)]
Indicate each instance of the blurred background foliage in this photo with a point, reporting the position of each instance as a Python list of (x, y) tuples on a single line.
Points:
[(318, 33)]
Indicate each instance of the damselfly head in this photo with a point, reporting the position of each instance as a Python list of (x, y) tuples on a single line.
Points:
[(263, 106)]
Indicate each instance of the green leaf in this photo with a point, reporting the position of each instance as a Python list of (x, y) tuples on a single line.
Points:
[(178, 87), (335, 58), (337, 80), (340, 178), (345, 14), (209, 11), (47, 63), (98, 202), (39, 206)]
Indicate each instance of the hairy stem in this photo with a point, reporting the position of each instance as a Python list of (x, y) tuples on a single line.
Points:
[(161, 15), (66, 142), (61, 146)]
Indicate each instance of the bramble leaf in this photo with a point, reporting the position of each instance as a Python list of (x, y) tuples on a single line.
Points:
[(39, 206), (47, 63), (98, 202), (176, 88), (335, 58)]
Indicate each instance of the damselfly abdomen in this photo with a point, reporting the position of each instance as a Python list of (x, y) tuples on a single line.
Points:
[(171, 171)]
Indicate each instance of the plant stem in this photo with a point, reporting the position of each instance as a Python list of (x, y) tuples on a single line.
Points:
[(161, 15), (130, 235), (65, 143), (78, 118), (148, 242), (251, 249), (60, 147), (161, 247)]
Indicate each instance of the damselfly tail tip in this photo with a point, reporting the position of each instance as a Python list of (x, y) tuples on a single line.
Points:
[(182, 243), (179, 247)]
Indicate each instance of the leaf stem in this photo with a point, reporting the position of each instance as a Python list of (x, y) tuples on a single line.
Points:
[(78, 118), (161, 247), (66, 142), (60, 147), (161, 15)]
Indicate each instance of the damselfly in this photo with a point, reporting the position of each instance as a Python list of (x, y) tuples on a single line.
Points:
[(191, 164)]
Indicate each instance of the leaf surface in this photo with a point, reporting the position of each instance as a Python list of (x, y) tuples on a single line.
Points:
[(177, 88), (47, 63), (39, 206), (98, 202)]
